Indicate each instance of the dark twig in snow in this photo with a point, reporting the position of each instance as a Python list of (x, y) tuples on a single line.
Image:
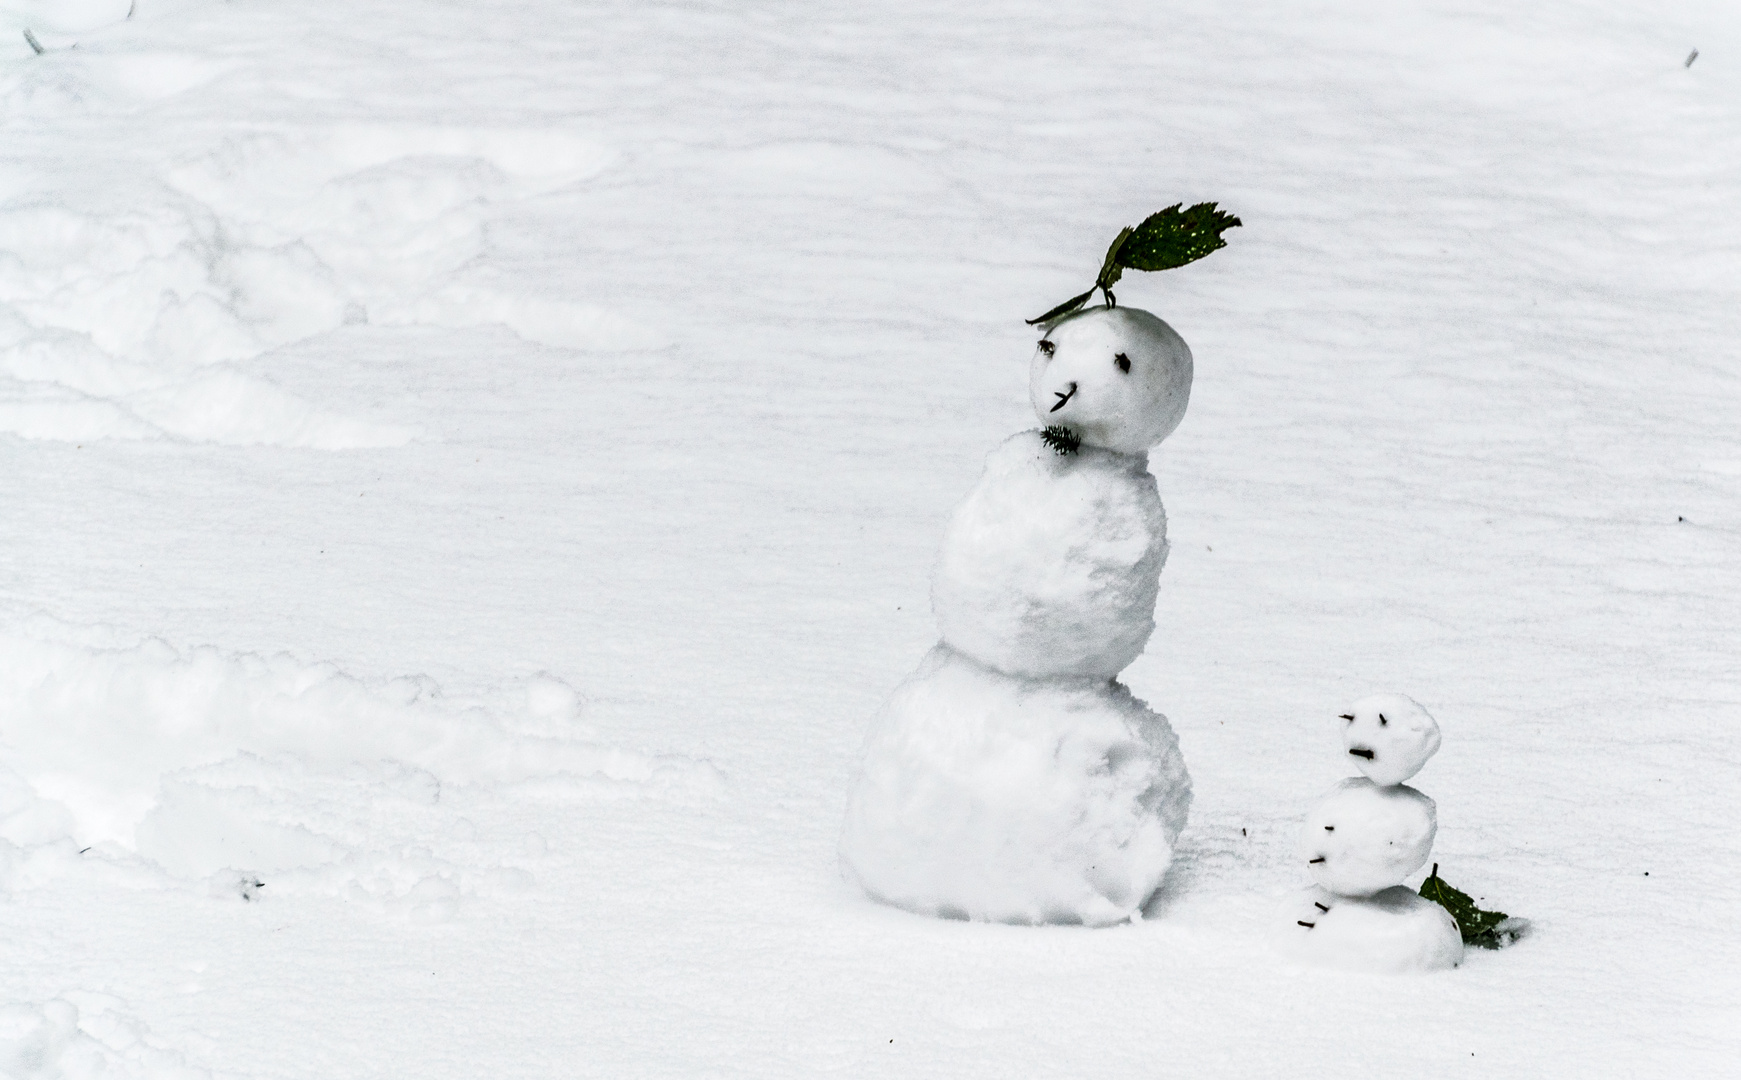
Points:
[(34, 44), (1694, 55)]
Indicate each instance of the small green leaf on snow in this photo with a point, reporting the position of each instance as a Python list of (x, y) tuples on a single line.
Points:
[(1485, 929), (1173, 238)]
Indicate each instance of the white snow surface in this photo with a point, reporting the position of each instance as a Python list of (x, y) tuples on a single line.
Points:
[(987, 796), (1051, 563), (409, 410)]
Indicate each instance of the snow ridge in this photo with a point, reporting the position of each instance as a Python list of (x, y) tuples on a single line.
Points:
[(222, 767), (57, 1040)]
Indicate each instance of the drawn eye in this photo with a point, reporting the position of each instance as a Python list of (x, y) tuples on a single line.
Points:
[(1048, 348), (1348, 717), (1329, 828), (1382, 721), (1123, 363)]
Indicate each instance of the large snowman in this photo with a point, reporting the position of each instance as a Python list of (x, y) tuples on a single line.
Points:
[(1011, 778)]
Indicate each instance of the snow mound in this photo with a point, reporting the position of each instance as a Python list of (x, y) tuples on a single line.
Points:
[(984, 796), (128, 324), (258, 829), (147, 313), (212, 763), (57, 1040)]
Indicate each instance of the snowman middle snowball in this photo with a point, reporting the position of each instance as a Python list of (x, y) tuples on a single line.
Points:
[(1010, 778)]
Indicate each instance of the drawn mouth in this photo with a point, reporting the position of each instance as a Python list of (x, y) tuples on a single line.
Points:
[(1063, 398), (1359, 751)]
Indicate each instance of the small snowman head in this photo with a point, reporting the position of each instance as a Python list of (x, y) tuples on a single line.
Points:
[(1389, 736), (1363, 838), (1117, 378)]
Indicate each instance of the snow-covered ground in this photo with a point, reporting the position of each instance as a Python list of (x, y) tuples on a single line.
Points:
[(470, 472)]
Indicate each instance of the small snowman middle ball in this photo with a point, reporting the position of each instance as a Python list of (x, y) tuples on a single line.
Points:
[(1363, 838)]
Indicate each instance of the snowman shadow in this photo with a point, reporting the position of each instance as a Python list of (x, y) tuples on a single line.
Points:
[(1182, 878)]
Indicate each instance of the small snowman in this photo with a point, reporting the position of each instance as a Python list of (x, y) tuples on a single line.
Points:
[(1011, 778), (1360, 842)]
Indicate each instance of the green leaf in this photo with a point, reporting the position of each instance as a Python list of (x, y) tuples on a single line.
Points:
[(1063, 309), (1479, 928), (1110, 271), (1164, 240), (1173, 238)]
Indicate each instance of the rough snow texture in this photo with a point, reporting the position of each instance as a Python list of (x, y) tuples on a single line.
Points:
[(1389, 737), (1391, 932), (989, 797), (131, 310), (1460, 378), (219, 768), (57, 1040), (1361, 838), (1119, 378), (1051, 564)]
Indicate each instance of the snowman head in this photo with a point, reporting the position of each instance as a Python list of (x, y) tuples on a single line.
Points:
[(1117, 378), (1389, 737)]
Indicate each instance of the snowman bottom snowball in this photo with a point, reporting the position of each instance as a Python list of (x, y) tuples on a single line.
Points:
[(1393, 931), (991, 797)]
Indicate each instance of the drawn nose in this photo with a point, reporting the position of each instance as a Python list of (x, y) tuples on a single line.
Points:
[(1063, 398)]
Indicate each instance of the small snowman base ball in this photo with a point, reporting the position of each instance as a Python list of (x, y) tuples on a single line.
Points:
[(1362, 838), (1393, 931)]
